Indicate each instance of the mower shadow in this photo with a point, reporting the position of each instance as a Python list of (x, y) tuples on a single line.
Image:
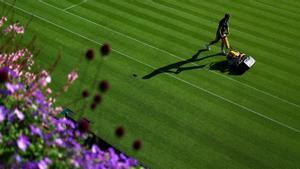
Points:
[(223, 67), (177, 67)]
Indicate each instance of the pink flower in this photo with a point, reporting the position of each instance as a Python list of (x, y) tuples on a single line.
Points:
[(14, 28), (30, 77), (19, 114), (2, 20), (72, 76), (48, 91), (57, 110), (23, 142), (45, 78)]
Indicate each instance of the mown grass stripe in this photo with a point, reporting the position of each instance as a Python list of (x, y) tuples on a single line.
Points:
[(261, 15), (147, 25), (281, 7), (237, 13), (247, 29)]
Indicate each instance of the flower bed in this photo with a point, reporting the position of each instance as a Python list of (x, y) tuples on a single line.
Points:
[(32, 135)]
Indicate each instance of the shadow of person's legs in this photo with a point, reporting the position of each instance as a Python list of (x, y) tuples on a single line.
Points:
[(178, 65)]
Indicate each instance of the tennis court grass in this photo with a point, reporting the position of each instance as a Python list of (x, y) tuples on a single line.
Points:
[(201, 116)]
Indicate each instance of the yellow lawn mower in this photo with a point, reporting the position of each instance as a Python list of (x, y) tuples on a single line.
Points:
[(236, 59)]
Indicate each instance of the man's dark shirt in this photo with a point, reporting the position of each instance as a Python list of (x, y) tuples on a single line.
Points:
[(223, 26)]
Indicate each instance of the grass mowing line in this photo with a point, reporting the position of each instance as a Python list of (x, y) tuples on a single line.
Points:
[(179, 79), (171, 54), (72, 6)]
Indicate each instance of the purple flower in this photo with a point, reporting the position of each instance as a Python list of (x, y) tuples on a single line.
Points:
[(3, 112), (43, 164), (40, 99), (5, 92), (12, 87), (19, 114), (11, 116), (95, 149), (23, 142), (18, 158), (35, 131), (59, 142)]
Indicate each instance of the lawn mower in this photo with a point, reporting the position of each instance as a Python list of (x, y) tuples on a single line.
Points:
[(237, 60)]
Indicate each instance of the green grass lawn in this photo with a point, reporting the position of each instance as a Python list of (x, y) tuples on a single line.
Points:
[(201, 117)]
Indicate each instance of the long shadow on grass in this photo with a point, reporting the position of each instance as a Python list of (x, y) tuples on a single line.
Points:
[(177, 67), (223, 67)]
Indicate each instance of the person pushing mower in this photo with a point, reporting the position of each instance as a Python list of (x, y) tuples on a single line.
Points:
[(221, 34)]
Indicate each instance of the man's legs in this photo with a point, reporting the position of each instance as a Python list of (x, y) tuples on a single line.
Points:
[(213, 42), (222, 48)]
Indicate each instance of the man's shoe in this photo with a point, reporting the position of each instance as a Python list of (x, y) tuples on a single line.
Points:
[(207, 47), (223, 52)]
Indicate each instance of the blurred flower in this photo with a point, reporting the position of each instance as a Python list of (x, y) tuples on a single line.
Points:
[(97, 98), (19, 114), (48, 91), (35, 130), (120, 131), (95, 149), (105, 49), (14, 28), (59, 142), (12, 88), (72, 76), (44, 78), (137, 144), (93, 106), (18, 158), (83, 125), (57, 110), (23, 142), (3, 113), (3, 19), (85, 94), (30, 77), (104, 85), (90, 54), (3, 75), (43, 164)]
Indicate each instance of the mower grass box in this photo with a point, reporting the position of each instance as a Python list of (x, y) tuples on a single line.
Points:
[(239, 61)]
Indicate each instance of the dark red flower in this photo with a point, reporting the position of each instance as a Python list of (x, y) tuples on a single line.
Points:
[(97, 98), (120, 131), (83, 125), (93, 106), (137, 145), (3, 75), (105, 49), (85, 94), (90, 54), (104, 85)]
